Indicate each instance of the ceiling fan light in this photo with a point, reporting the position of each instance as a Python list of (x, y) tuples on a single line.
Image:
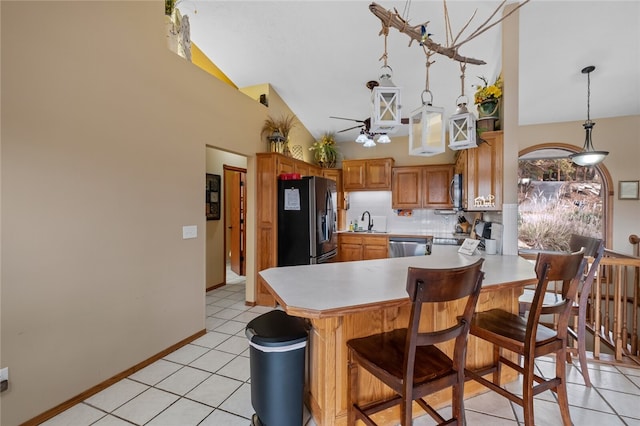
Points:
[(362, 138), (384, 139), (369, 143)]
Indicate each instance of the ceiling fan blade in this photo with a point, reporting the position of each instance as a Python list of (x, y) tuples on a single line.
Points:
[(350, 128), (349, 119)]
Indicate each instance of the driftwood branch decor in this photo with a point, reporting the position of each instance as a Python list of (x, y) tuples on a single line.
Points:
[(393, 19)]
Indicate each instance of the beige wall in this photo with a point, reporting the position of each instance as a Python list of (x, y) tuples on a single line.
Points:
[(103, 159)]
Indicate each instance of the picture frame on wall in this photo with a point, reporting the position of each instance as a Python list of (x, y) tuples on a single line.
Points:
[(628, 190), (212, 197)]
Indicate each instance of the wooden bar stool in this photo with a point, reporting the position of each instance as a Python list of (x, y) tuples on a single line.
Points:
[(529, 339), (593, 248), (407, 360)]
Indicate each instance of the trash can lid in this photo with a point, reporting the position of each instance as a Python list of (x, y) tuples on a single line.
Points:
[(276, 328)]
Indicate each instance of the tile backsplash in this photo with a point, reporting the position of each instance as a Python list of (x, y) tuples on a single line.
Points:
[(378, 203)]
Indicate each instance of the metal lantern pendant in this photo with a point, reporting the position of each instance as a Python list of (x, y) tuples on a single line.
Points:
[(385, 117), (426, 129), (462, 128)]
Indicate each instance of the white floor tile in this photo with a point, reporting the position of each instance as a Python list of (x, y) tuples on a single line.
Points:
[(237, 369), (212, 361), (223, 303), (116, 395), (183, 412), (110, 420), (239, 402), (231, 327), (585, 417), (219, 418), (211, 339), (623, 403), (146, 406), (156, 372), (78, 415), (490, 403), (227, 313), (183, 380), (186, 354), (214, 391), (247, 316), (211, 323), (234, 344)]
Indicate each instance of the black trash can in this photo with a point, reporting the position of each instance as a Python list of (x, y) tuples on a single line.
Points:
[(277, 355)]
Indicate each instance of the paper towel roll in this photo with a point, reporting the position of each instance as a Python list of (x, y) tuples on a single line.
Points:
[(490, 246)]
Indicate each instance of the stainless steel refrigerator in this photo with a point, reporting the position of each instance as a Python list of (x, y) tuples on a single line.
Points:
[(306, 221)]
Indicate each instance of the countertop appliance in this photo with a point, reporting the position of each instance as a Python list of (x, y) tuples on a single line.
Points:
[(306, 221), (410, 246)]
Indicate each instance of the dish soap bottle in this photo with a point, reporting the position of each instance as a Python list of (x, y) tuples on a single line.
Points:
[(355, 225)]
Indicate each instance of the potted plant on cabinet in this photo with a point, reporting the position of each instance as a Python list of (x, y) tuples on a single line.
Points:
[(325, 152), (487, 98)]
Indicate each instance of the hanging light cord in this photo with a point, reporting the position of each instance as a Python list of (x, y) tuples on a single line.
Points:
[(463, 68), (588, 96), (428, 53), (385, 32)]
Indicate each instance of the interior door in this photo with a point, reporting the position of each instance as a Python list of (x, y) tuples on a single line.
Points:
[(236, 197)]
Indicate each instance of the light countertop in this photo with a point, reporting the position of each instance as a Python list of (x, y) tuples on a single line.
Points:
[(334, 289)]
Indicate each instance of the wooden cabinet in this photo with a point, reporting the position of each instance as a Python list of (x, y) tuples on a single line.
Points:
[(362, 247), (416, 187), (482, 173), (363, 175), (269, 167)]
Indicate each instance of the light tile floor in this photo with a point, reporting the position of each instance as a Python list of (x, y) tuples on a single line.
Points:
[(206, 383)]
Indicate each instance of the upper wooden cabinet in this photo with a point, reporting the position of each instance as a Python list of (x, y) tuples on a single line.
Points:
[(363, 175), (416, 187), (482, 173)]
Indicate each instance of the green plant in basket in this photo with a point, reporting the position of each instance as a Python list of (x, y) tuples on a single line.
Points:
[(325, 151)]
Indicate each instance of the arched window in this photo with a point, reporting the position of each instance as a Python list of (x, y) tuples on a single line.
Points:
[(557, 198)]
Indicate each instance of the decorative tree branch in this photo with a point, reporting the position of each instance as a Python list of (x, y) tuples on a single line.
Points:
[(393, 19)]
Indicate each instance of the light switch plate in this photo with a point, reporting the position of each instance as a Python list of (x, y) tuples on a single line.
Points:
[(190, 231)]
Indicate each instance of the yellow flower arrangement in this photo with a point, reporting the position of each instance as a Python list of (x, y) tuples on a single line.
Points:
[(325, 151), (487, 91)]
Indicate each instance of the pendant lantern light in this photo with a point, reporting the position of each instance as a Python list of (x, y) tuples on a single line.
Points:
[(462, 124), (588, 156)]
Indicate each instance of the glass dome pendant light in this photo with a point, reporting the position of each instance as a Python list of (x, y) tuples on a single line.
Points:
[(588, 156)]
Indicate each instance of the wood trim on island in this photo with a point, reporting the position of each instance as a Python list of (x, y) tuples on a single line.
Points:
[(353, 299)]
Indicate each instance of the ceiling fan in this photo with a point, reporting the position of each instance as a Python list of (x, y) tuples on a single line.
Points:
[(365, 124)]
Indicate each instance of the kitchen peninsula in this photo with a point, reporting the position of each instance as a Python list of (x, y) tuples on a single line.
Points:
[(352, 299)]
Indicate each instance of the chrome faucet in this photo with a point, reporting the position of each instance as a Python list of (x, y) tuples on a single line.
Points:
[(370, 223)]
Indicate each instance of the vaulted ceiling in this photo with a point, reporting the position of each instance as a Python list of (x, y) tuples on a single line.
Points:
[(318, 55)]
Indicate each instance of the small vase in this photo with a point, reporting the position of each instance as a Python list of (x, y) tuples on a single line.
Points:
[(489, 108)]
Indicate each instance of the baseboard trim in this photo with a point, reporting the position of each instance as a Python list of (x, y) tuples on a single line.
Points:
[(214, 286), (101, 386)]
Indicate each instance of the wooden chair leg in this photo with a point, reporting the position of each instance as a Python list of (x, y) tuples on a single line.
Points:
[(352, 392), (406, 414), (527, 390), (563, 398), (498, 364), (457, 400), (582, 351)]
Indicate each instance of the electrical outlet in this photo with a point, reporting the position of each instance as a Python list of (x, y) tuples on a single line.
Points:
[(4, 379)]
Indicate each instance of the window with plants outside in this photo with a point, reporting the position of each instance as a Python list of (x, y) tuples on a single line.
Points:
[(556, 198)]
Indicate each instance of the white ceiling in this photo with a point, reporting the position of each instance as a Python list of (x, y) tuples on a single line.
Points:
[(318, 55)]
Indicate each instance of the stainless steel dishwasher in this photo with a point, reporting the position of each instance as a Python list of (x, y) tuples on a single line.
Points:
[(410, 246)]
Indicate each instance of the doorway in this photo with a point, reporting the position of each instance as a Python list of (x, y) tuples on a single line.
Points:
[(235, 220)]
